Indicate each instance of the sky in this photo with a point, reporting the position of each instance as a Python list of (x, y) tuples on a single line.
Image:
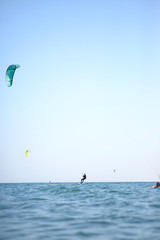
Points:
[(86, 97)]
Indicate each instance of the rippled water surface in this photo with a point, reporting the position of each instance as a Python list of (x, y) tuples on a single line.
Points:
[(73, 211)]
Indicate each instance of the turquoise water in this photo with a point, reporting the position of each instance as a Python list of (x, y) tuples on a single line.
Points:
[(73, 211)]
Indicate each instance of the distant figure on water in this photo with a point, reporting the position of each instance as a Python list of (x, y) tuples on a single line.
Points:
[(157, 185), (84, 177)]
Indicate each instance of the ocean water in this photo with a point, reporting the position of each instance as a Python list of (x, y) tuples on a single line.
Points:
[(73, 211)]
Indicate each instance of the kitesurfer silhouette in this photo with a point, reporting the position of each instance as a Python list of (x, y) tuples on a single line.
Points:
[(84, 177), (157, 185)]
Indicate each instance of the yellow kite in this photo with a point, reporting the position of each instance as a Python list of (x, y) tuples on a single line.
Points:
[(27, 152)]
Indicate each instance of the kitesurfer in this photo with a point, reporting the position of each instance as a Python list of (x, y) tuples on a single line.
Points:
[(157, 185), (84, 177)]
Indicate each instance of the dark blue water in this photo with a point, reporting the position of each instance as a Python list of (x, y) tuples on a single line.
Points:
[(73, 211)]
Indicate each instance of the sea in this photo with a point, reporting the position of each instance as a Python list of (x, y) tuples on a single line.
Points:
[(74, 211)]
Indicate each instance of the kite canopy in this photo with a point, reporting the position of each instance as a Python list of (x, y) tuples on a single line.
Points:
[(27, 152), (10, 73)]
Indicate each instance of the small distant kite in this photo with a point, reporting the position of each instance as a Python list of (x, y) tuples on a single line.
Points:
[(114, 170), (10, 73), (27, 152)]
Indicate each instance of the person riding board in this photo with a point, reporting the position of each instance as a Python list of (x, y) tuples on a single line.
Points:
[(84, 177), (157, 185)]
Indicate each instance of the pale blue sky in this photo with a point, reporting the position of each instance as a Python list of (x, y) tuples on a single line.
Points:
[(87, 95)]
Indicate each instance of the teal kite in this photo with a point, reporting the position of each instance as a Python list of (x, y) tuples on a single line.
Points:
[(10, 73)]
